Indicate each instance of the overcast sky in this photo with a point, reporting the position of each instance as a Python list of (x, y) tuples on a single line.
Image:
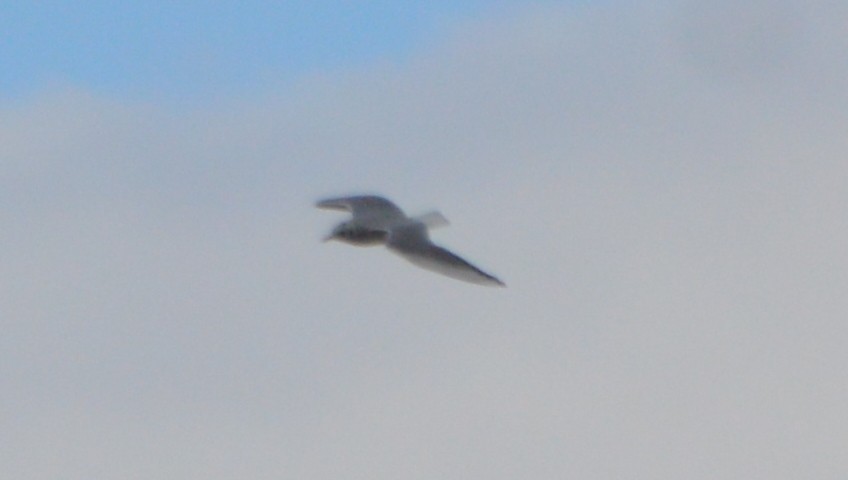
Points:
[(662, 185)]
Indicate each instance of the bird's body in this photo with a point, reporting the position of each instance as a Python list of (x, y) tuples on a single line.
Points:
[(377, 221), (362, 237)]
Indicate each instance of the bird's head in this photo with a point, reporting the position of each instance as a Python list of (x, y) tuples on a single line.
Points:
[(340, 232)]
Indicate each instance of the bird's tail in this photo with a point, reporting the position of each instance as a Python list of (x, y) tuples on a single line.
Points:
[(432, 219)]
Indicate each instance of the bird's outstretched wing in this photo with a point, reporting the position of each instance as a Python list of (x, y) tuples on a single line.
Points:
[(412, 243), (369, 211), (432, 219)]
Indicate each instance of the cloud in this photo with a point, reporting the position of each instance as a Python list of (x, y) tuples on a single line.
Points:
[(660, 187)]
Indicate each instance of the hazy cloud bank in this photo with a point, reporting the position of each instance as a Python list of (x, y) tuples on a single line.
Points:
[(662, 188)]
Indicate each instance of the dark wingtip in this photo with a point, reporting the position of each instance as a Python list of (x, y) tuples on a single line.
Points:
[(491, 280)]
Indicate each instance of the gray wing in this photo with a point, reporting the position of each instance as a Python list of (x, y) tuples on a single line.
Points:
[(412, 243), (368, 211)]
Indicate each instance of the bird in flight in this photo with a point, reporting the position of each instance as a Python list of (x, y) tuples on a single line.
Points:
[(377, 221)]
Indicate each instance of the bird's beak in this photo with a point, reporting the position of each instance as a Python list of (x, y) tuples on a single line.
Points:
[(328, 238)]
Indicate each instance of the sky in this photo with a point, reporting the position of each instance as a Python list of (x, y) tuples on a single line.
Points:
[(661, 185), (198, 50)]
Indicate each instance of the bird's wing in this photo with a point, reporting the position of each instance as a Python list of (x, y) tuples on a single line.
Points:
[(432, 219), (368, 210), (412, 243)]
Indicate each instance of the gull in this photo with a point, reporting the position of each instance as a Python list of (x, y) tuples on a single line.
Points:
[(377, 221)]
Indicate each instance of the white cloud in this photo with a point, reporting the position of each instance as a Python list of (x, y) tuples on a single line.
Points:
[(665, 208)]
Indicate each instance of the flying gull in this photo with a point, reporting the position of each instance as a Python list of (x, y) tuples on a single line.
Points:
[(377, 221)]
